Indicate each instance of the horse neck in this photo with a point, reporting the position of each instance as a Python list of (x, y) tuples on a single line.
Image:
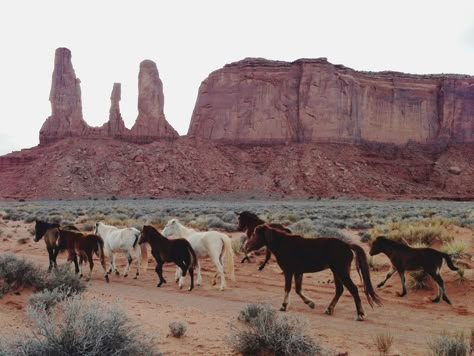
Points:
[(272, 240), (183, 231), (253, 224), (156, 241)]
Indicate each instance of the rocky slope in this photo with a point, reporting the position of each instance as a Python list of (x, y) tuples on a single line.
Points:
[(83, 168), (258, 101)]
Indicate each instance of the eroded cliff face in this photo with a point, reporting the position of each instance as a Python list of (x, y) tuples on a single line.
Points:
[(259, 101), (66, 118)]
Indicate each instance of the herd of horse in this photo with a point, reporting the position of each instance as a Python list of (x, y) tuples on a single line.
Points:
[(294, 254)]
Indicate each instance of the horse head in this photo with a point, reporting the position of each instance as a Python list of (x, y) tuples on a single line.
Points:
[(376, 247), (247, 219), (40, 229), (257, 240), (170, 227)]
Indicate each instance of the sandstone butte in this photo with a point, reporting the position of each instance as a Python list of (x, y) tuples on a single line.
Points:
[(311, 100), (66, 118), (260, 129)]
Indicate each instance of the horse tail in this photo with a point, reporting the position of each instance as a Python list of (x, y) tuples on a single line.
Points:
[(449, 262), (192, 254), (141, 253), (363, 269), (100, 247), (228, 257)]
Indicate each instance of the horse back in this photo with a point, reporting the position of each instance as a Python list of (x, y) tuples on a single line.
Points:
[(312, 255), (416, 258)]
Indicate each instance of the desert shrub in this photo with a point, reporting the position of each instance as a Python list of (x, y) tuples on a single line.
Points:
[(64, 278), (49, 298), (177, 328), (448, 345), (384, 342), (305, 227), (17, 272), (230, 217), (76, 327), (29, 218), (251, 311), (214, 222), (269, 333), (364, 236), (238, 243)]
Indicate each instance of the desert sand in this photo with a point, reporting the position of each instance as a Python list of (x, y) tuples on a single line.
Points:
[(411, 320)]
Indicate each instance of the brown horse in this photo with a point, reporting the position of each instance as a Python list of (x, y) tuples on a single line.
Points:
[(77, 243), (248, 221), (406, 258), (164, 250), (50, 232), (297, 255)]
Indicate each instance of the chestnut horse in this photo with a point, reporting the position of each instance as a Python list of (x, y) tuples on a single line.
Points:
[(77, 243), (49, 232), (164, 250), (297, 255), (249, 221), (406, 258)]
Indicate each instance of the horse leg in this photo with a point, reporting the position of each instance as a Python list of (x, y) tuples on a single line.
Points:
[(183, 267), (55, 255), (177, 274), (199, 276), (139, 263), (339, 290), (129, 264), (389, 274), (404, 288), (51, 257), (73, 257), (288, 277), (159, 271), (441, 288), (220, 271), (298, 286), (91, 265), (268, 255), (347, 281), (116, 271)]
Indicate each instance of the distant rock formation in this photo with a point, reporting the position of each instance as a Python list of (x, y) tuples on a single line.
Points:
[(262, 101), (66, 118), (151, 122)]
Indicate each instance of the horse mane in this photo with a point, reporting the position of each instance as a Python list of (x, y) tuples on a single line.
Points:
[(154, 232), (250, 215), (392, 243), (280, 231)]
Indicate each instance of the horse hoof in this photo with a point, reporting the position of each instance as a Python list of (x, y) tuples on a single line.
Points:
[(136, 277), (400, 294), (328, 312), (125, 275), (359, 318), (214, 283), (117, 273), (311, 305), (379, 285), (88, 279), (283, 308), (435, 300), (190, 289), (107, 278)]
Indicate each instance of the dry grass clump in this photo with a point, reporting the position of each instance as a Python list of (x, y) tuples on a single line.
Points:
[(76, 327), (424, 231), (384, 342), (267, 333), (448, 345), (454, 248)]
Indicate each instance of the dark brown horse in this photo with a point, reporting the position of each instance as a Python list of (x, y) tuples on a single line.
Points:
[(164, 250), (248, 221), (406, 258), (77, 243), (49, 232), (297, 255)]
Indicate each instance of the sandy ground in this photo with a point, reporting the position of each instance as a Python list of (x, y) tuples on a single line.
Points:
[(411, 320)]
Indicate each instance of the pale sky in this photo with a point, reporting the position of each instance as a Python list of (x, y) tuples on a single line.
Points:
[(190, 39)]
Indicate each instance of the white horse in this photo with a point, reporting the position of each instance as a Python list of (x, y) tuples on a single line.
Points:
[(122, 240), (214, 244)]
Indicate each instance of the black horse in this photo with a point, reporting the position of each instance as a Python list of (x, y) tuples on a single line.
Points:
[(50, 233), (248, 221), (164, 250), (297, 255), (406, 258)]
